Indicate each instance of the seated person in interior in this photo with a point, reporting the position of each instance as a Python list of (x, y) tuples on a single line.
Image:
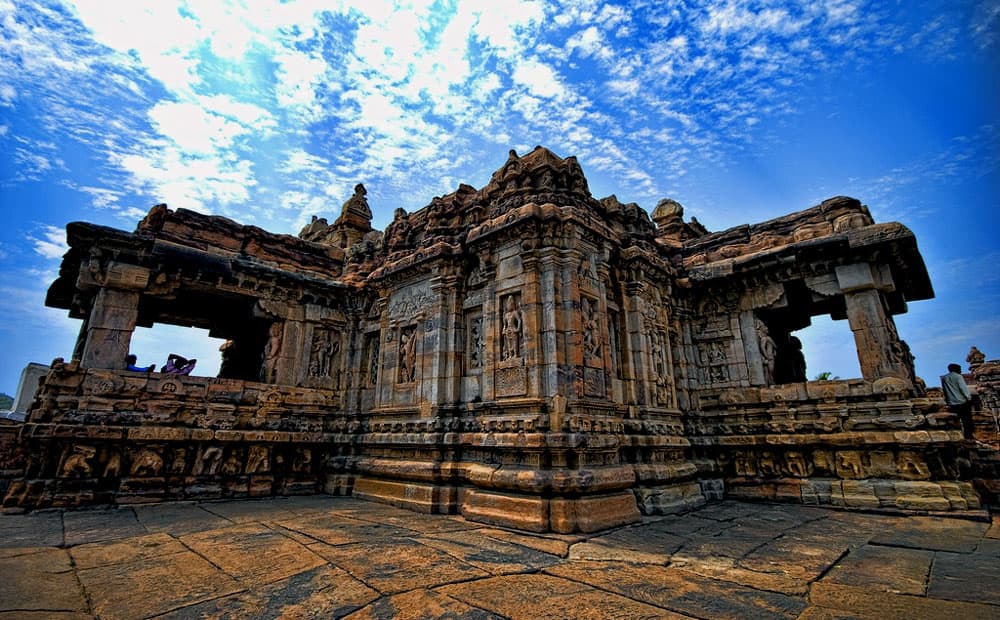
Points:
[(130, 361), (178, 365)]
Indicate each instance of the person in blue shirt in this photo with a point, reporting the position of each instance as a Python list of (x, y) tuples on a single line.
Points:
[(130, 361)]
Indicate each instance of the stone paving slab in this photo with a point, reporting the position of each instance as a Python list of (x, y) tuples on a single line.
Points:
[(958, 535), (421, 605), (87, 526), (253, 553), (334, 557), (178, 518), (530, 597), (42, 581), (398, 565), (324, 592), (889, 569), (145, 588), (42, 529), (974, 577), (682, 591)]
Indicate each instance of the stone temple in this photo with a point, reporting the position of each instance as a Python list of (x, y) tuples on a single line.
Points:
[(523, 354)]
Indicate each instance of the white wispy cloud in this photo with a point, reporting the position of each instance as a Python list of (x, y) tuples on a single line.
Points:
[(51, 242)]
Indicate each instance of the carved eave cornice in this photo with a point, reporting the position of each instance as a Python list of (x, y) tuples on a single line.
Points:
[(836, 215), (216, 234), (173, 266), (891, 244), (514, 219), (895, 244), (87, 241), (651, 260), (403, 265)]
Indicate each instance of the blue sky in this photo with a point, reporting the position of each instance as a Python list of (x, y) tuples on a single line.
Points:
[(269, 112)]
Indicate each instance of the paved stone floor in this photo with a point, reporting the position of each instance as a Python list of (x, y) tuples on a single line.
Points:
[(332, 557)]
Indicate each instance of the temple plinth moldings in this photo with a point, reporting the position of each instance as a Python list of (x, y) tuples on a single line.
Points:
[(523, 354)]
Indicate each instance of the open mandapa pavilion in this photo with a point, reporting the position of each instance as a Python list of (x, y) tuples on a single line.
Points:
[(523, 354)]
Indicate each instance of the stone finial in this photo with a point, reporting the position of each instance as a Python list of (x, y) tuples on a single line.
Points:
[(668, 212), (975, 358), (357, 204)]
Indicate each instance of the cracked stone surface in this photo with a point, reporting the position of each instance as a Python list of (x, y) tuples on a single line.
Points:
[(340, 557)]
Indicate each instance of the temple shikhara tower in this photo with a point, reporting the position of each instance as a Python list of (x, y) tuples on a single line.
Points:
[(522, 354)]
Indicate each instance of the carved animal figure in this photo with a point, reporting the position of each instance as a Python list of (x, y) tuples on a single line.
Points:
[(147, 463), (78, 463), (112, 469)]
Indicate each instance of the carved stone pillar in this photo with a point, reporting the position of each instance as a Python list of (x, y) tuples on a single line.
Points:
[(637, 387), (552, 354), (442, 341), (112, 317), (874, 332)]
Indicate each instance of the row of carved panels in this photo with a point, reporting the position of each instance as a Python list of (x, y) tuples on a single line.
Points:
[(99, 385), (846, 464), (73, 492), (178, 434), (809, 422), (870, 493), (921, 438), (888, 388), (104, 460)]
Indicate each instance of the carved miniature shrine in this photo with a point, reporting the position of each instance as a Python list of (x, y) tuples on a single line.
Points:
[(522, 354)]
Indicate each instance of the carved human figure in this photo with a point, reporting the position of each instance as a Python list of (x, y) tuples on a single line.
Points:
[(591, 336), (476, 342), (407, 355), (512, 325), (257, 460), (302, 461), (397, 233), (768, 349), (373, 361), (324, 348), (272, 349), (232, 465), (179, 462), (208, 461)]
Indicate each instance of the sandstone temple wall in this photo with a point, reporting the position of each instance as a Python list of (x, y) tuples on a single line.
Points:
[(523, 354)]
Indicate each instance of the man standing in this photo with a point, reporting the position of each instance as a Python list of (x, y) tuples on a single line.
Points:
[(957, 397)]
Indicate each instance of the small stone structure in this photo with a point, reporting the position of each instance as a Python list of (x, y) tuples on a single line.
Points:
[(523, 354)]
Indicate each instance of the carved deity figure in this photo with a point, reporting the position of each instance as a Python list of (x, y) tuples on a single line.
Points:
[(768, 350), (373, 354), (397, 233), (324, 348), (591, 334), (476, 342), (407, 355), (269, 371), (512, 326)]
